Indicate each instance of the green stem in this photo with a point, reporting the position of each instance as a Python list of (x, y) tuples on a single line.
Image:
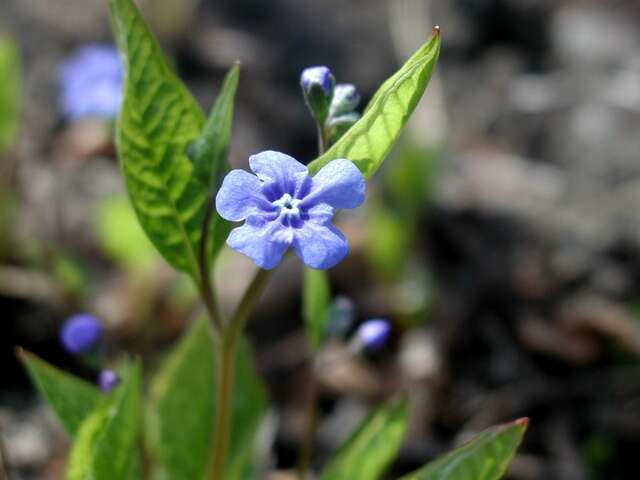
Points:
[(232, 334), (5, 470), (205, 285), (310, 410)]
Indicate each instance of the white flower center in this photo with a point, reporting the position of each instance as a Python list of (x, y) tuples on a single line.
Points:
[(288, 205)]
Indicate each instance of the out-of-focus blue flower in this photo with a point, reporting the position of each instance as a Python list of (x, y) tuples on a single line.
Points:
[(373, 334), (107, 380), (285, 207), (91, 83), (317, 88), (80, 333)]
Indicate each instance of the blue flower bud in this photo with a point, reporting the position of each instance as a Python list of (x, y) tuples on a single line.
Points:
[(317, 88), (345, 100), (373, 334), (80, 333), (107, 380)]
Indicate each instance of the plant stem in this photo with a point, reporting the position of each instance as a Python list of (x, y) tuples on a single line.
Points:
[(206, 288), (5, 470), (231, 336), (310, 410)]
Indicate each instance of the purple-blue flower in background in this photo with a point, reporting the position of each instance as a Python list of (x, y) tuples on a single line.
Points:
[(283, 206), (91, 83), (373, 333), (80, 333), (107, 380)]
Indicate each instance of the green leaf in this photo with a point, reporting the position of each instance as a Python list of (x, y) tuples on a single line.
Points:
[(71, 398), (158, 120), (10, 93), (105, 445), (371, 448), (211, 151), (485, 457), (212, 147), (370, 139), (182, 408), (316, 296)]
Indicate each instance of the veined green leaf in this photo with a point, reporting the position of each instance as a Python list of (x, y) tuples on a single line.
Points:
[(485, 457), (212, 147), (316, 296), (370, 139), (71, 398), (371, 448), (10, 93), (158, 120), (182, 407), (211, 151), (105, 445)]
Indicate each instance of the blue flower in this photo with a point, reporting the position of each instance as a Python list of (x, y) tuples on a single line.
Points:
[(80, 333), (320, 76), (283, 207), (91, 83), (317, 88), (373, 334), (107, 380)]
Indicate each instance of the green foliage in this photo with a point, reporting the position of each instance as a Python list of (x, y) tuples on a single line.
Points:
[(369, 141), (10, 93), (158, 121), (71, 398), (316, 296), (120, 236), (182, 408), (105, 445), (389, 241), (211, 151), (485, 457), (370, 449)]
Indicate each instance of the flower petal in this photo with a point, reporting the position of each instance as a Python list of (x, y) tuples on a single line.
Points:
[(240, 196), (320, 246), (278, 170), (261, 240), (339, 184)]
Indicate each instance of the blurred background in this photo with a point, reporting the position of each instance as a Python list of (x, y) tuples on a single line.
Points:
[(501, 238)]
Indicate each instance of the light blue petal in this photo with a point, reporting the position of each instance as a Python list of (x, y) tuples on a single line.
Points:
[(339, 184), (262, 241), (320, 246), (277, 170), (240, 196)]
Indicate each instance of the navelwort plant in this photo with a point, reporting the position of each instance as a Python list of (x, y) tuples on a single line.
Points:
[(200, 414)]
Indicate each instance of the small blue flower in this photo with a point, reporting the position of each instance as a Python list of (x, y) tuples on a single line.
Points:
[(373, 334), (80, 333), (283, 207), (317, 88), (107, 380), (91, 83), (345, 100), (320, 76)]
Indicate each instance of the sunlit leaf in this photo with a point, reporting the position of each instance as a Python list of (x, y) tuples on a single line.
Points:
[(10, 93), (485, 457), (105, 445), (368, 142), (372, 447)]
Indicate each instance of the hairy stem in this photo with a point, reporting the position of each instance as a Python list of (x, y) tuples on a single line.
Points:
[(231, 336)]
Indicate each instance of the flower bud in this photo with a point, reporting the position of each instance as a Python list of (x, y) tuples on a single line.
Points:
[(80, 333), (345, 100), (317, 88), (373, 334), (107, 380)]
